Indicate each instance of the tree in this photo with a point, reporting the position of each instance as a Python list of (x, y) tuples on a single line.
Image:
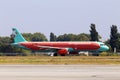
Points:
[(114, 38), (27, 36), (93, 33), (83, 37), (38, 37), (52, 37), (4, 42), (74, 37), (63, 38)]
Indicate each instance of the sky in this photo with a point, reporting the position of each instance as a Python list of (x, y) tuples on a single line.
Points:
[(59, 16)]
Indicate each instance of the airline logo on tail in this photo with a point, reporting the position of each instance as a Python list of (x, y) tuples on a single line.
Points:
[(17, 36)]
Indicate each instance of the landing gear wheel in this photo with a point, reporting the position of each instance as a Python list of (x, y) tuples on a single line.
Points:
[(55, 54)]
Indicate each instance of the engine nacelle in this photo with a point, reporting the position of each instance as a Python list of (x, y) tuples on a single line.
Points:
[(62, 51)]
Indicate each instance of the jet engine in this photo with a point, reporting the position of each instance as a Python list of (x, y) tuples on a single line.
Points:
[(63, 52)]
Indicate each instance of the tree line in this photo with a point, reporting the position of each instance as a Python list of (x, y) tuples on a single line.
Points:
[(113, 41)]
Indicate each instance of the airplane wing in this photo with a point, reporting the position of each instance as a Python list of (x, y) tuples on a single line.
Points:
[(52, 48)]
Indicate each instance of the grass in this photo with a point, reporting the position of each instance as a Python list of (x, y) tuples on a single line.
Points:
[(66, 60)]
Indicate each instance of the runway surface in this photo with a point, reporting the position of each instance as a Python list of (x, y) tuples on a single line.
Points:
[(60, 72)]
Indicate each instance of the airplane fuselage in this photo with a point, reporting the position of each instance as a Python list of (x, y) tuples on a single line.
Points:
[(74, 45)]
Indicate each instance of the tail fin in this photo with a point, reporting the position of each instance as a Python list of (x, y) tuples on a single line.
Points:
[(17, 36)]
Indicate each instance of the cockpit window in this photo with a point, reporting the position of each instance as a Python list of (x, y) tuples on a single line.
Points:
[(102, 44)]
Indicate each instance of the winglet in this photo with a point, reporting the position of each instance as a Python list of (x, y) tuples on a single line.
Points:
[(17, 36)]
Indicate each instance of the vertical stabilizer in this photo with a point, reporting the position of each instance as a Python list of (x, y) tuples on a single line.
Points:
[(17, 36)]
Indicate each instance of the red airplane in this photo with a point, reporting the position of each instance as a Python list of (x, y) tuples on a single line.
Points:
[(58, 48)]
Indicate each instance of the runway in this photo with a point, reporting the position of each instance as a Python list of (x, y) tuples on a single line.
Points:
[(60, 72)]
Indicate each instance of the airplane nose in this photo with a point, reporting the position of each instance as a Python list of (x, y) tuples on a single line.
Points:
[(104, 48)]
